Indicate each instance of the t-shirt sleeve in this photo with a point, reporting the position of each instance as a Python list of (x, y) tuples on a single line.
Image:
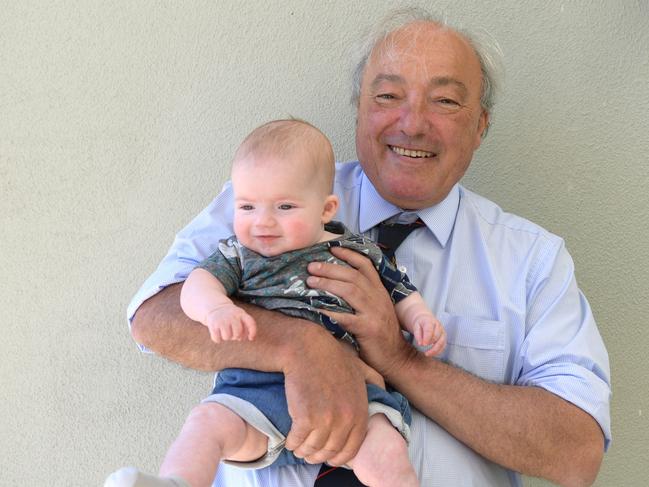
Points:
[(225, 265)]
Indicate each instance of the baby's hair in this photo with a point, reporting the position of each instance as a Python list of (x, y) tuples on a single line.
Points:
[(281, 138)]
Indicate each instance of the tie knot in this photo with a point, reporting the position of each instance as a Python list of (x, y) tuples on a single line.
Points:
[(391, 235)]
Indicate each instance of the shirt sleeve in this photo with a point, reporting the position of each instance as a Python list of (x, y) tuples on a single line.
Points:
[(225, 265), (192, 244), (563, 351)]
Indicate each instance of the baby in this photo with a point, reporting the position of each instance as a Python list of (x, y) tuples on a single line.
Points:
[(282, 179)]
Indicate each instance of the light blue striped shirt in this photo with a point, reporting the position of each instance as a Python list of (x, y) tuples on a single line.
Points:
[(503, 287)]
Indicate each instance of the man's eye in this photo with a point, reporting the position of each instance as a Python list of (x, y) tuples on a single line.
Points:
[(383, 97), (286, 207), (246, 207), (446, 105)]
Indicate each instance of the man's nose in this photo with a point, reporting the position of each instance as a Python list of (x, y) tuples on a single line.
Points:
[(414, 121)]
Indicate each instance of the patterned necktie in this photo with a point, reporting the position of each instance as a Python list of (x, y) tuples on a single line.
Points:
[(392, 234)]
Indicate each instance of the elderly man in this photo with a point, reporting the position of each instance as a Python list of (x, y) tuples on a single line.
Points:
[(524, 383)]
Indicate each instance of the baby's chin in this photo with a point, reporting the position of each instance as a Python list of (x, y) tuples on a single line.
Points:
[(274, 246)]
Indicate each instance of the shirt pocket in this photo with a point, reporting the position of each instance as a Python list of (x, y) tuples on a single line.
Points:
[(475, 345)]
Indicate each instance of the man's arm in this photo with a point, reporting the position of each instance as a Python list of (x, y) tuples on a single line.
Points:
[(526, 429), (325, 384)]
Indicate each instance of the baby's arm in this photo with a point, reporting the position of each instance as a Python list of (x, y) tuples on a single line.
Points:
[(415, 317), (203, 298)]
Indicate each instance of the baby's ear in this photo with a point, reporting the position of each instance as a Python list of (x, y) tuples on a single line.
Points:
[(330, 208)]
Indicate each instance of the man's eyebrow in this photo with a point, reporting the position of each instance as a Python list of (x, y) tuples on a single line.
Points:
[(447, 80), (381, 77), (433, 83)]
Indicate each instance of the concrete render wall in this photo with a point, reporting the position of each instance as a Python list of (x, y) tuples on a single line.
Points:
[(117, 124)]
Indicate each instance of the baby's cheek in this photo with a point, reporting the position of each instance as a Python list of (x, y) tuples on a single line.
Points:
[(304, 233), (242, 230)]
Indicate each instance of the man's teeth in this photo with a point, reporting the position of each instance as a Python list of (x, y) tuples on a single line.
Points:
[(411, 153)]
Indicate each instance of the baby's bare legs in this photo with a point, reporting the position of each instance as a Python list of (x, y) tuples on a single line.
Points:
[(382, 460), (211, 433)]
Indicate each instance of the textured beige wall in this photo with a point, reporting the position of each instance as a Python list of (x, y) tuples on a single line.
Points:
[(117, 122)]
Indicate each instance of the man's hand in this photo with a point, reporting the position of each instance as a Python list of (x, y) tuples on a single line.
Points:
[(374, 322), (325, 383), (327, 401), (526, 429)]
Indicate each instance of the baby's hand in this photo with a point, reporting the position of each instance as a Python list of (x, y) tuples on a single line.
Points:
[(229, 322), (429, 331)]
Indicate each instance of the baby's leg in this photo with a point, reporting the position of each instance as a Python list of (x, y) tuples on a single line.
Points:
[(382, 460), (210, 434)]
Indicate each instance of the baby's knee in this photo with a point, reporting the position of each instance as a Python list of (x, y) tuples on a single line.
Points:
[(212, 413)]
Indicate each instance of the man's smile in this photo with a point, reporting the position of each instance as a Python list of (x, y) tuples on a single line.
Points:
[(410, 152)]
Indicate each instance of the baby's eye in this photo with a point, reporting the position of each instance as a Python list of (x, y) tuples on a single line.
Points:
[(286, 206), (246, 207)]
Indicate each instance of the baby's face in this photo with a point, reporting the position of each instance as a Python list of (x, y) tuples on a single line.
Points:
[(278, 206)]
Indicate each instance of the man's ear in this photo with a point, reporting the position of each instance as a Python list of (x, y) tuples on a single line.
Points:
[(483, 127), (330, 208)]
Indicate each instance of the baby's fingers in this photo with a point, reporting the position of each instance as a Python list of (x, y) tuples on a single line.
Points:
[(424, 333), (250, 326), (439, 339)]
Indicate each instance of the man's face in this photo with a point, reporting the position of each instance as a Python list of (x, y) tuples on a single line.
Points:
[(419, 114)]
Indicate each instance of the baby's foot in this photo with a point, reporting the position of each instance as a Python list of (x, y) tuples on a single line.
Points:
[(132, 477)]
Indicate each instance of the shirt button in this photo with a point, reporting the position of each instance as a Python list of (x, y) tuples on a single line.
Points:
[(403, 268)]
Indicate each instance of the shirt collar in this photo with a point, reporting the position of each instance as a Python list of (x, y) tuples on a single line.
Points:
[(439, 218)]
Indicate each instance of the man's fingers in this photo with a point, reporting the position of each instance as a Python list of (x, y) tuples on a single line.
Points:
[(325, 402), (348, 321), (305, 444), (296, 436), (312, 444), (352, 292), (358, 262), (335, 444), (351, 447)]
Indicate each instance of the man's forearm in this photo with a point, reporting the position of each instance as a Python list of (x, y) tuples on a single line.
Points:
[(161, 325), (526, 429), (325, 384)]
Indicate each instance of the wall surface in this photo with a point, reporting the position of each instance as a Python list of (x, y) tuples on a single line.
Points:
[(117, 122)]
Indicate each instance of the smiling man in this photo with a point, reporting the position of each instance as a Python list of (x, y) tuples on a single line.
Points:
[(419, 114), (524, 383)]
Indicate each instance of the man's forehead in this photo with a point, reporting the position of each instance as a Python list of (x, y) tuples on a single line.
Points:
[(418, 41), (432, 51)]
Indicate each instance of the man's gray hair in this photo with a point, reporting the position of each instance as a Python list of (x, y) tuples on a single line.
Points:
[(486, 48)]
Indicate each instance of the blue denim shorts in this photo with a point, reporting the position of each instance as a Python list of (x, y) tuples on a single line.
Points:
[(238, 389)]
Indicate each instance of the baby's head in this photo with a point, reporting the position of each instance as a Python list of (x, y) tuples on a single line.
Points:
[(282, 177)]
